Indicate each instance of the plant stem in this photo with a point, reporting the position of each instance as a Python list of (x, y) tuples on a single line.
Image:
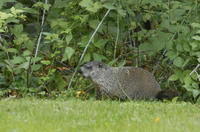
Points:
[(117, 37)]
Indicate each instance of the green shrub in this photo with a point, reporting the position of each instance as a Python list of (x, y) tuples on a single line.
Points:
[(41, 43)]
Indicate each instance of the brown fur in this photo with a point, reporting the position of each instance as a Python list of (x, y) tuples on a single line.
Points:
[(123, 82)]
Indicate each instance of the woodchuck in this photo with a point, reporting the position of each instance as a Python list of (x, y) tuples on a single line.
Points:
[(124, 82)]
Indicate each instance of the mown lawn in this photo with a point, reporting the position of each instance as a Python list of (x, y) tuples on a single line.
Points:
[(33, 115)]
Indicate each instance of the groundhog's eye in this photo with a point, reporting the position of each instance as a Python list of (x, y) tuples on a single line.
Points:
[(88, 67)]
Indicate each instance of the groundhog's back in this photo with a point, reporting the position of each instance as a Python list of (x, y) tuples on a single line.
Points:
[(137, 82)]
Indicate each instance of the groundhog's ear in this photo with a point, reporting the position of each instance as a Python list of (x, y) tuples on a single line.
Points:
[(100, 65)]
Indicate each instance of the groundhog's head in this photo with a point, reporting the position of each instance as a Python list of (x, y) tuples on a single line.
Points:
[(93, 70)]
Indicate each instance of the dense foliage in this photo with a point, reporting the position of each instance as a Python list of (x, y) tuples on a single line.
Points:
[(41, 43)]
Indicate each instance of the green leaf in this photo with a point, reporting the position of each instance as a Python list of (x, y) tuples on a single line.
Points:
[(147, 17), (198, 59), (17, 60), (16, 11), (184, 29), (146, 47), (12, 20), (99, 57), (33, 59), (94, 23), (186, 46), (179, 74), (195, 92), (60, 82), (122, 63), (172, 28), (24, 65), (133, 2), (176, 14), (100, 44), (31, 11), (27, 53), (156, 43), (160, 40), (68, 38), (12, 50), (171, 54), (173, 77), (187, 61), (46, 6), (175, 99), (131, 12), (195, 85), (195, 45), (59, 23), (2, 60), (195, 25), (68, 53), (2, 2), (133, 25), (198, 32), (187, 79), (90, 5), (38, 4), (179, 47), (61, 3), (178, 62), (45, 62), (111, 63), (165, 24), (84, 40), (36, 67), (4, 16), (198, 101), (196, 38), (86, 3), (87, 58), (42, 93), (17, 30), (121, 12), (109, 6), (2, 30), (97, 6)]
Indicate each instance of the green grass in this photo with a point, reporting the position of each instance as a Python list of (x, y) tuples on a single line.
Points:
[(32, 115)]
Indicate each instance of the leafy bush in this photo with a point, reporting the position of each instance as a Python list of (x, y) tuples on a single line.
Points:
[(42, 42)]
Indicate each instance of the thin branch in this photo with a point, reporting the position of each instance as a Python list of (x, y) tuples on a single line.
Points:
[(195, 70), (40, 36), (83, 54), (37, 46), (122, 88), (116, 41)]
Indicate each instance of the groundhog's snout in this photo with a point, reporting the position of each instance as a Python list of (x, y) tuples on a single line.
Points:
[(82, 72)]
